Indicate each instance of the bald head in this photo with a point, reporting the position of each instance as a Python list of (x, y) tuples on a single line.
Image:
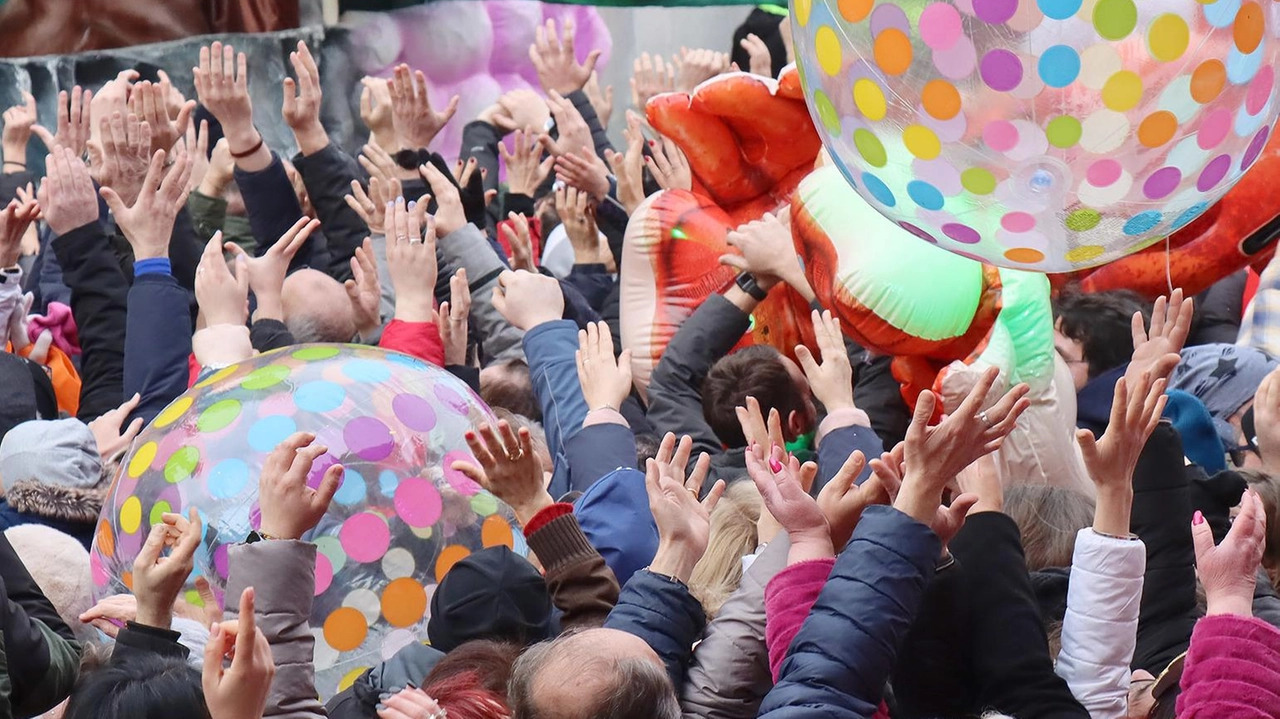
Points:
[(594, 674), (316, 308)]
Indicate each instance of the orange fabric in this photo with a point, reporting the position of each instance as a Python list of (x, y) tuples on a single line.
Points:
[(63, 374)]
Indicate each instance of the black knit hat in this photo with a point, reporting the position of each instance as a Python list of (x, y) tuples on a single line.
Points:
[(492, 594)]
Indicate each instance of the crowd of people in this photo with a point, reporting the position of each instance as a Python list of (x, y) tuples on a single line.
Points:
[(755, 537)]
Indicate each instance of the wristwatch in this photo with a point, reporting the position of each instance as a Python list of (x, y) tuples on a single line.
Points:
[(747, 283)]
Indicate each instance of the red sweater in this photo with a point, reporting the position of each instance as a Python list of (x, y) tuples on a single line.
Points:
[(419, 339), (1232, 670), (787, 600)]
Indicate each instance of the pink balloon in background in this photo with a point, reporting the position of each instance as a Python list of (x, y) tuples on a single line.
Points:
[(515, 23), (375, 40), (448, 41), (476, 93)]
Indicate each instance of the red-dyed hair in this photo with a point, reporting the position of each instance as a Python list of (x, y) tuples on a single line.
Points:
[(464, 697)]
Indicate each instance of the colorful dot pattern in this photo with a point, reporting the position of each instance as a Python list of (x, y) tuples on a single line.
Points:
[(1050, 135), (400, 518)]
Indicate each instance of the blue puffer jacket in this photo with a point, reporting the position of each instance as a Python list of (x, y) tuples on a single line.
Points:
[(838, 664), (663, 613)]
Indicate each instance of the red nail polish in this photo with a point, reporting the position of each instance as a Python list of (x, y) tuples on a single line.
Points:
[(1197, 519)]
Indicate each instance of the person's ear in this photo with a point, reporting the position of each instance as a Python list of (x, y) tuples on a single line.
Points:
[(797, 425)]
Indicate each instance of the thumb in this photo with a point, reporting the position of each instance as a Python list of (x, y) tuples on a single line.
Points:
[(40, 353), (242, 275), (1088, 444), (738, 262), (45, 136), (328, 487), (1202, 537), (590, 64), (114, 203), (134, 428)]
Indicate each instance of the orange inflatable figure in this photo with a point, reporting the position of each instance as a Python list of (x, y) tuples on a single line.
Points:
[(749, 142)]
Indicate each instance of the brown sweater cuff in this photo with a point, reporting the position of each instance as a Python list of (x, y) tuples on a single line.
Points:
[(560, 542)]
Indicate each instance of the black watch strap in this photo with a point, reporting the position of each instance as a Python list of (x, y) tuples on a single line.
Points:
[(747, 283)]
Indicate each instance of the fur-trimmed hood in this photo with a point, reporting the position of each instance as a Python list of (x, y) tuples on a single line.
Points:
[(49, 501)]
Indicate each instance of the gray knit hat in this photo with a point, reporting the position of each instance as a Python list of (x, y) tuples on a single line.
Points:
[(1225, 378), (58, 452)]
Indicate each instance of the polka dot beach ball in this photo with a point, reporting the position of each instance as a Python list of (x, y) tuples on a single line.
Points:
[(1048, 135), (401, 517)]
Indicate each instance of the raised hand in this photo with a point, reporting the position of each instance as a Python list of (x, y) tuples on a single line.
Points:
[(450, 217), (767, 251), (935, 455), (579, 220), (507, 465), (302, 98), (684, 521), (945, 520), (66, 196), (1135, 412), (584, 170), (18, 122), (74, 126), (452, 319), (572, 130), (410, 703), (126, 154), (222, 84), (516, 232), (375, 111), (784, 486), (148, 223), (650, 76), (694, 67), (221, 171), (372, 206), (267, 272), (843, 501), (364, 291), (605, 380), (601, 101), (411, 260), (1229, 570), (1170, 324), (526, 170), (197, 143), (1266, 420), (628, 167), (15, 218), (223, 295), (761, 62), (150, 102), (112, 613), (238, 690), (157, 579), (107, 432), (831, 381), (289, 507), (527, 110), (528, 299), (557, 64), (416, 124), (669, 166)]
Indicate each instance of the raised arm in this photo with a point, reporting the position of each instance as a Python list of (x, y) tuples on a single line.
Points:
[(158, 330)]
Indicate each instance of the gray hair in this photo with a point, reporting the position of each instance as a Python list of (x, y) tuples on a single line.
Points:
[(628, 688), (1049, 519), (316, 327)]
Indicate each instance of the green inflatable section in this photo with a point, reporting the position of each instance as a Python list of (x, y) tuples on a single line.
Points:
[(917, 287)]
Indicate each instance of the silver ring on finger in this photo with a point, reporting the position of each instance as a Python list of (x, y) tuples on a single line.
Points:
[(982, 417)]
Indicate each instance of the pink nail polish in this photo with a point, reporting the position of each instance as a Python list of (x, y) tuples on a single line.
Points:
[(1197, 519), (775, 465)]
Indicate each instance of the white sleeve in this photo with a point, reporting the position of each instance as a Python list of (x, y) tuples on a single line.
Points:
[(1100, 629)]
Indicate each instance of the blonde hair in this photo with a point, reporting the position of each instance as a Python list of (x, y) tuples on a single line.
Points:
[(1049, 519), (733, 535)]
